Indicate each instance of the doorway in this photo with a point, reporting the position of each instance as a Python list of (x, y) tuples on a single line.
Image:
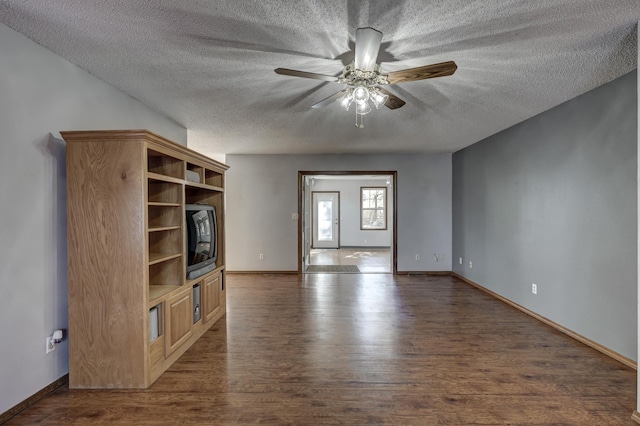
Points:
[(334, 227)]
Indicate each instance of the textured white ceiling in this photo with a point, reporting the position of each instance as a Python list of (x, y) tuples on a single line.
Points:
[(209, 64)]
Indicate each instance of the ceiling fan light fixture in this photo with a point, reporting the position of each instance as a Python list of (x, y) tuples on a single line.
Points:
[(378, 98), (346, 100), (363, 108), (363, 77), (361, 94)]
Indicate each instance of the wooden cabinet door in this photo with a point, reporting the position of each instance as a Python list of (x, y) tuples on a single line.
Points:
[(211, 297), (179, 319)]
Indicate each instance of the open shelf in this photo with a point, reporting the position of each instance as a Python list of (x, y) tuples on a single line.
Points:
[(157, 292), (165, 245), (163, 178), (160, 191), (213, 178), (194, 169), (163, 228), (167, 272), (204, 186), (161, 257), (163, 164), (157, 204)]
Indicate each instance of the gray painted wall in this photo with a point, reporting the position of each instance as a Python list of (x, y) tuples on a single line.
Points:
[(40, 95), (262, 193), (552, 201), (350, 233)]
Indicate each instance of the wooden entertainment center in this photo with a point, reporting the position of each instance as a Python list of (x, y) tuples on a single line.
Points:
[(126, 196)]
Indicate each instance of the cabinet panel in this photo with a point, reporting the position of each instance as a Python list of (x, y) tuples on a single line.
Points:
[(156, 355), (179, 320), (211, 297), (105, 198)]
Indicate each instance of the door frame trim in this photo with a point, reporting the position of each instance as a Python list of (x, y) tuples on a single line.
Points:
[(394, 197)]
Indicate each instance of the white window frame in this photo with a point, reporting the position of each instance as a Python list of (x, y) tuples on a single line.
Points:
[(382, 210)]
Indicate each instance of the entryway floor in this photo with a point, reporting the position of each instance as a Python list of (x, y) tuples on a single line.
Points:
[(366, 259)]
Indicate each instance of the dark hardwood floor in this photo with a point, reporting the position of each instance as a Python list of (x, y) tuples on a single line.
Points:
[(364, 350)]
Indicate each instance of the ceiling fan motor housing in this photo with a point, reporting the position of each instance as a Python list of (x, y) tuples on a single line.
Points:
[(355, 77)]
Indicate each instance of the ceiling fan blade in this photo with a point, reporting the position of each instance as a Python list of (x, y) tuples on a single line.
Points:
[(329, 100), (420, 73), (393, 102), (367, 47), (304, 74)]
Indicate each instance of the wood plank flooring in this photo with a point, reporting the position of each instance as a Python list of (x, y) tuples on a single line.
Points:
[(367, 259), (363, 349)]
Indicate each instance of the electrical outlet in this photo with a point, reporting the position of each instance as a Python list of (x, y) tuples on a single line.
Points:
[(51, 346), (470, 265), (294, 216), (417, 256), (442, 257), (460, 260), (534, 289), (261, 256)]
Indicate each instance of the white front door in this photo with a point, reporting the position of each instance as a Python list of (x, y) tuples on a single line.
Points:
[(326, 224)]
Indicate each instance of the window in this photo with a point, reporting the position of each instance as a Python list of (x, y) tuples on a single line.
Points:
[(373, 208)]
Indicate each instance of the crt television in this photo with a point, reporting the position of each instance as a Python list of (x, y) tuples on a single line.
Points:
[(202, 239)]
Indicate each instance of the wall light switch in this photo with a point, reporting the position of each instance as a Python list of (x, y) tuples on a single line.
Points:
[(294, 216)]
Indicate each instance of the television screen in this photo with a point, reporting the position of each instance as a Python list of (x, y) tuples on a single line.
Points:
[(202, 239)]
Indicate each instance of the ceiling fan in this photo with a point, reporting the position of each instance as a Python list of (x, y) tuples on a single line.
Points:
[(364, 79)]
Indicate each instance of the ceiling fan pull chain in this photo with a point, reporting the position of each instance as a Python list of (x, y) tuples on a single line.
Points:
[(361, 124)]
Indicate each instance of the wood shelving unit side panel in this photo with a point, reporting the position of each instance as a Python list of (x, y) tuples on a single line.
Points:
[(106, 244)]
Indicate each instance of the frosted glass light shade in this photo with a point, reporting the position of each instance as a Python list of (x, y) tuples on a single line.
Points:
[(363, 108), (361, 94), (346, 100), (379, 98)]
